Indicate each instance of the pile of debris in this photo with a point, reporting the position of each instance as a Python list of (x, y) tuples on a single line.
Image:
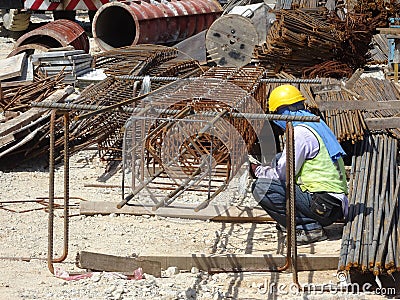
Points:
[(105, 128)]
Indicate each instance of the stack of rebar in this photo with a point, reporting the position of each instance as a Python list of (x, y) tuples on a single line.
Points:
[(349, 124), (317, 41), (345, 124), (19, 96), (105, 129), (371, 237), (372, 8), (328, 69), (298, 39), (133, 60)]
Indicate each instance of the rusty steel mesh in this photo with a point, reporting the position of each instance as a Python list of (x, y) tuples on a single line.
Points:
[(192, 151)]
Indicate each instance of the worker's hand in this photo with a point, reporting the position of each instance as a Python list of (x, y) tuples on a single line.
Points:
[(254, 163), (253, 160), (253, 168)]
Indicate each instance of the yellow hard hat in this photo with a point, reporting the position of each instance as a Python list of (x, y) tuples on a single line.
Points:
[(284, 95)]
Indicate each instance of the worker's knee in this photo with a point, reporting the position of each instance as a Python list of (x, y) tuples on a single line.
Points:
[(269, 193)]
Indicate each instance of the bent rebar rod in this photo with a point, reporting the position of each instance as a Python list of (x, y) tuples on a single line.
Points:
[(50, 259)]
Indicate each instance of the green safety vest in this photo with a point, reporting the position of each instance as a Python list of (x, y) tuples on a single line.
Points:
[(321, 174)]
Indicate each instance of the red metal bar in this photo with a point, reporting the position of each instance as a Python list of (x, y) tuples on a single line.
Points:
[(119, 24)]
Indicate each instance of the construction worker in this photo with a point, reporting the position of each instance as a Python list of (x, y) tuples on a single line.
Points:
[(321, 186)]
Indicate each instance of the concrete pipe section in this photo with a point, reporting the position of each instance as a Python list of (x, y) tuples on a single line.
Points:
[(60, 33), (119, 24)]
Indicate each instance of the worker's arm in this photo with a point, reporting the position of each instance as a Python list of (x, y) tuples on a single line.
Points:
[(306, 146)]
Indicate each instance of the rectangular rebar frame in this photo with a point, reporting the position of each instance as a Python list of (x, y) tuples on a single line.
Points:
[(291, 258)]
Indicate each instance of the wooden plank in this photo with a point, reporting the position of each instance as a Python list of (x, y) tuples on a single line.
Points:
[(244, 262), (392, 30), (16, 83), (20, 121), (111, 263), (23, 141), (12, 67), (208, 263), (358, 105), (213, 212), (21, 132), (382, 123), (5, 140)]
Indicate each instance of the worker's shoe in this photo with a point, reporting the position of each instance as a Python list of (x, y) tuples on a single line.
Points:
[(304, 237)]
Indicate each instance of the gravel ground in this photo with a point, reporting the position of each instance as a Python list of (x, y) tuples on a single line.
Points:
[(24, 273)]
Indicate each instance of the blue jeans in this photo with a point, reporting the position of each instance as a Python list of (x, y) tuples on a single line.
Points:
[(271, 195)]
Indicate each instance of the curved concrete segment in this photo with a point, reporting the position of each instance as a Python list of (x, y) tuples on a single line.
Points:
[(60, 33)]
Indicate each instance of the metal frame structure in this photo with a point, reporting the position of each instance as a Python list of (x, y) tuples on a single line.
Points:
[(175, 113), (291, 257)]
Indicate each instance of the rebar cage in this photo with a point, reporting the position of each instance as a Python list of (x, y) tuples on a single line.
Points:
[(196, 150)]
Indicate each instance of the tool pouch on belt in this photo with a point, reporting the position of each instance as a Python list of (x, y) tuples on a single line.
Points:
[(325, 205)]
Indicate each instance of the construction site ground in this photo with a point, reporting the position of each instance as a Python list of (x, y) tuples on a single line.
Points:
[(24, 273)]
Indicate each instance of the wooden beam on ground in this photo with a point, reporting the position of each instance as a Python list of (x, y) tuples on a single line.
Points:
[(208, 263), (358, 105), (212, 212), (243, 262), (110, 263), (382, 123)]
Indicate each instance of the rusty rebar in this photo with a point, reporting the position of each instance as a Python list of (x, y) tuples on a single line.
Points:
[(370, 240), (50, 244), (66, 190)]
